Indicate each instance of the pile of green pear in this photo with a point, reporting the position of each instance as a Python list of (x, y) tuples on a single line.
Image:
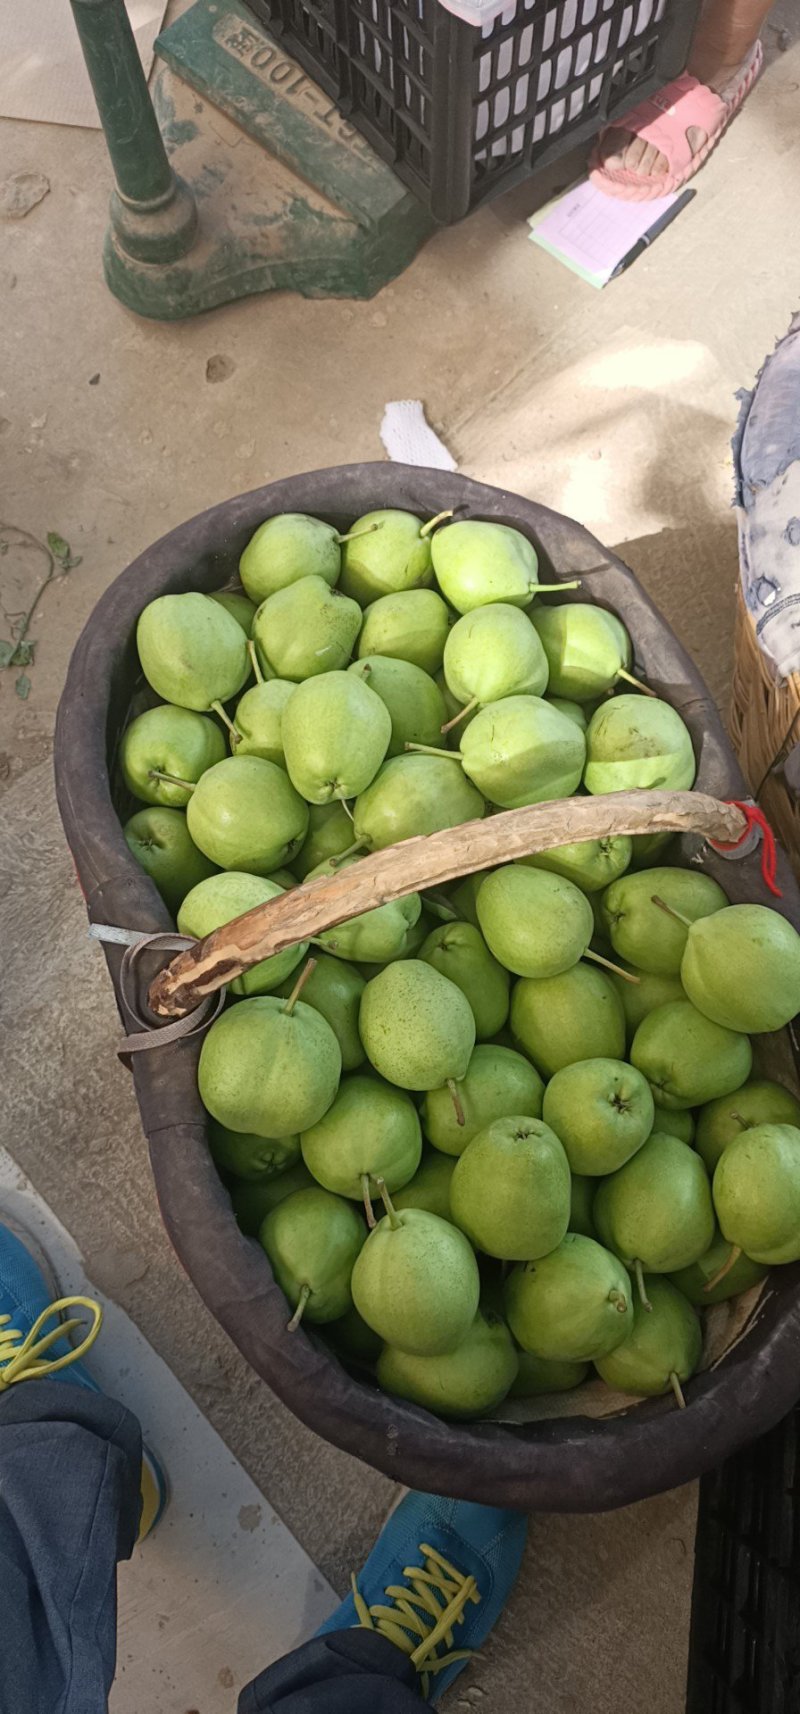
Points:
[(502, 1136)]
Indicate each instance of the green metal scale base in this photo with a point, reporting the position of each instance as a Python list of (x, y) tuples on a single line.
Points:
[(267, 189)]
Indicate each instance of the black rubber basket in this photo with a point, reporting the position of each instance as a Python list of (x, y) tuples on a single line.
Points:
[(568, 1463), (744, 1651), (463, 111)]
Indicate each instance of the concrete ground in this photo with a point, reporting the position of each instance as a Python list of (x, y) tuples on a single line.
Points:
[(616, 407)]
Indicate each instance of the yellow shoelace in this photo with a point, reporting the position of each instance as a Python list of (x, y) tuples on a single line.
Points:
[(22, 1354), (428, 1606)]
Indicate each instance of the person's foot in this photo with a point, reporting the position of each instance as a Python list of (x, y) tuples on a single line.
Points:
[(436, 1582), (665, 140), (37, 1326)]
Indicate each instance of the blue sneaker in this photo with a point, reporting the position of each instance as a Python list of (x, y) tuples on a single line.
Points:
[(436, 1582), (35, 1341)]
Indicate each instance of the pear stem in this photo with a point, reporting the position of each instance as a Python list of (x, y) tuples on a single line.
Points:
[(254, 661), (353, 535), (461, 715), (607, 963), (619, 1301), (171, 779), (308, 970), (441, 518), (629, 679), (670, 911), (677, 1390), (392, 1215), (340, 798), (305, 1293), (640, 1285), (742, 1123), (553, 588), (368, 1208), (456, 1100), (349, 851), (226, 719), (730, 1262), (431, 750)]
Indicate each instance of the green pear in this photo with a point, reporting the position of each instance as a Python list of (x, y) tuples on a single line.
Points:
[(330, 832), (415, 703), (588, 650), (192, 652), (464, 897), (245, 814), (757, 1194), (656, 1212), (387, 553), (160, 841), (510, 1192), (284, 879), (521, 751), (220, 899), (559, 1019), (286, 548), (416, 1282), (642, 997), (257, 720), (635, 741), (497, 1084), (238, 605), (477, 563), (374, 936), (455, 712), (581, 1204), (269, 1065), (535, 923), (409, 627), (645, 934), (696, 1281), (591, 863), (416, 933), (312, 1241), (171, 742), (687, 1059), (370, 1132), (573, 710), (465, 1383), (305, 629), (252, 1199), (352, 1339), (759, 1102), (459, 951), (539, 1375), (663, 1349), (249, 1156), (430, 1186), (417, 1027), (491, 653), (410, 795), (335, 732), (675, 1124), (334, 989), (602, 1111), (572, 1306), (743, 971)]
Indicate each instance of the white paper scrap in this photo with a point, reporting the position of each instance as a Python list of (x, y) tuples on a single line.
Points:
[(409, 438)]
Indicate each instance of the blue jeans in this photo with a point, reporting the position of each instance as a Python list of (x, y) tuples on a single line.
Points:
[(69, 1511)]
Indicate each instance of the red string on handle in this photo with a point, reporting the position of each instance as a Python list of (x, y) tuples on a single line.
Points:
[(756, 820)]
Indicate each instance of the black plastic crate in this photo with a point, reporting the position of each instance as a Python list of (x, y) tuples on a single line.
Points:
[(463, 111), (744, 1653)]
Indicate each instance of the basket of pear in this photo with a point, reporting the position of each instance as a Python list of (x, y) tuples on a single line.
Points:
[(469, 1080)]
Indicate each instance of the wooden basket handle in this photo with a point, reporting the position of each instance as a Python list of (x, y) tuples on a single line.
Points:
[(427, 861)]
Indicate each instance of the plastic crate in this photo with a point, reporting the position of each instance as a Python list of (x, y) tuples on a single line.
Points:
[(463, 111), (744, 1653)]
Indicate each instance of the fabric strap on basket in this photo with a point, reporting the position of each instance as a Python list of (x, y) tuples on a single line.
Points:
[(757, 830), (153, 1033)]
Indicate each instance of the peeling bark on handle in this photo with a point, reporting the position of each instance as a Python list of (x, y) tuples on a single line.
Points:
[(427, 861)]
